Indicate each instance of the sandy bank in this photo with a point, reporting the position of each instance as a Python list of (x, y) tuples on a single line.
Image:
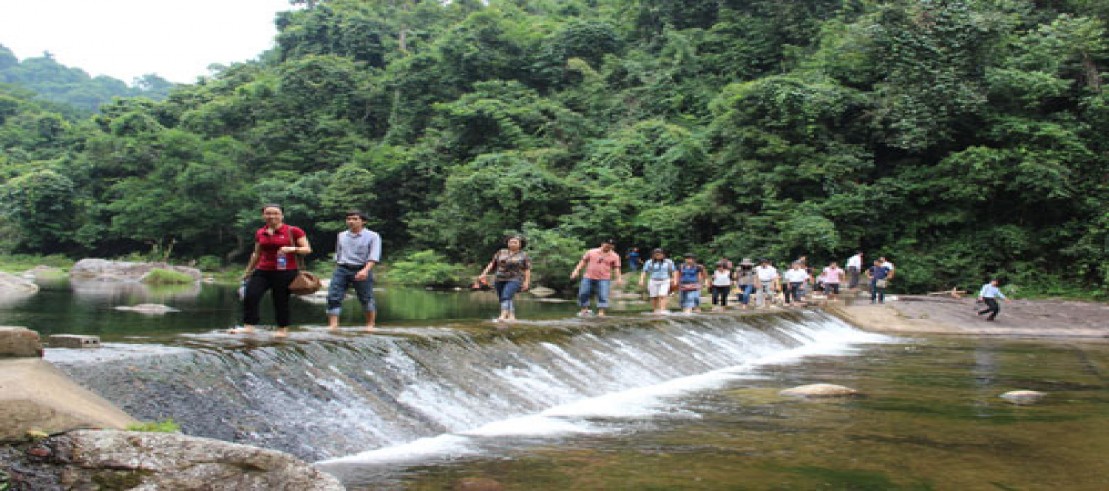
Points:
[(929, 315)]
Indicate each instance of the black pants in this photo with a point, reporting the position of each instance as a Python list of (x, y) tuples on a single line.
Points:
[(720, 295), (853, 274), (992, 308), (793, 290), (256, 286)]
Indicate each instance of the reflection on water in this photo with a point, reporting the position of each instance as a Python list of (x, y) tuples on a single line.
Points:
[(88, 307), (931, 419)]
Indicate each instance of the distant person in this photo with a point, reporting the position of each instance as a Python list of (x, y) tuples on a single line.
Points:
[(721, 285), (726, 262), (513, 274), (633, 259), (691, 276), (795, 277), (745, 281), (661, 277), (831, 278), (888, 265), (273, 265), (854, 268), (357, 251), (989, 294), (768, 284), (878, 274), (599, 264)]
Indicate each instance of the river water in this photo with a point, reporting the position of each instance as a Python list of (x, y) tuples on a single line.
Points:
[(442, 400)]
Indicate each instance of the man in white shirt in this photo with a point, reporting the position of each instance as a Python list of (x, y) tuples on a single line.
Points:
[(767, 276), (795, 277), (854, 267), (888, 265)]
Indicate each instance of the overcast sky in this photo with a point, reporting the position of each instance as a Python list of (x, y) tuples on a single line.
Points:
[(176, 39)]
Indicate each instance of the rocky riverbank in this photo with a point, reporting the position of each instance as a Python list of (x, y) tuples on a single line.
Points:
[(930, 315)]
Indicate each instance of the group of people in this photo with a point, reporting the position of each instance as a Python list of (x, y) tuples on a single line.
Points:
[(275, 262)]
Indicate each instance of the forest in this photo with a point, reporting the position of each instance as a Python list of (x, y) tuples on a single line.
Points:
[(961, 139)]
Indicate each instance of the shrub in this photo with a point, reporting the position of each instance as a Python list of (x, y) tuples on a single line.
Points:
[(158, 276), (209, 263), (426, 268)]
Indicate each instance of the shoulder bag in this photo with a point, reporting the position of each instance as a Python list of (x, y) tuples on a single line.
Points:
[(305, 282)]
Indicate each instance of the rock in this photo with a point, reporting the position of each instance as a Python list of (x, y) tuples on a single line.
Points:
[(11, 284), (149, 461), (1023, 397), (36, 396), (105, 270), (73, 341), (819, 390), (541, 291), (148, 308), (19, 342)]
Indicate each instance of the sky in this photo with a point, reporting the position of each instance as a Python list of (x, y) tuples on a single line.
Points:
[(176, 39)]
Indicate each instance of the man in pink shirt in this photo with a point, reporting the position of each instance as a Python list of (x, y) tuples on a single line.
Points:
[(599, 264), (832, 277)]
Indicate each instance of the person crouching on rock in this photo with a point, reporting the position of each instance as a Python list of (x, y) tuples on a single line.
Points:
[(272, 266), (357, 251), (989, 294)]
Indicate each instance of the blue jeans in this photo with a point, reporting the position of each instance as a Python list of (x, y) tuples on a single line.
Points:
[(588, 286), (744, 294), (505, 291), (690, 298), (877, 293), (343, 278)]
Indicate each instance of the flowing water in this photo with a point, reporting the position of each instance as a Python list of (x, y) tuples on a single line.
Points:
[(629, 402)]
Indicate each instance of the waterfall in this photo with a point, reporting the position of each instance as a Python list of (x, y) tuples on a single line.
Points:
[(325, 397)]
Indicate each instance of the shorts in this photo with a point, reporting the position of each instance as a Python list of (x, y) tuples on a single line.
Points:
[(658, 288)]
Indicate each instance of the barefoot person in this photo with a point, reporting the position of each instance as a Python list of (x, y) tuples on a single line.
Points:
[(879, 277), (832, 276), (796, 277), (745, 280), (768, 284), (663, 279), (691, 276), (272, 266), (357, 251), (513, 274), (721, 285), (989, 294), (599, 265)]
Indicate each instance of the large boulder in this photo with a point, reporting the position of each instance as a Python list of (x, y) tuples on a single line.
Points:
[(11, 284), (19, 342), (95, 459), (36, 396), (105, 270)]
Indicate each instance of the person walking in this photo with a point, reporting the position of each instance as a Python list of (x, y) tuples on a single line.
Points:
[(663, 278), (272, 266), (691, 276), (513, 274), (357, 251), (768, 284), (989, 294), (854, 268), (633, 259), (599, 265), (832, 276), (878, 274), (721, 285), (745, 281), (795, 277)]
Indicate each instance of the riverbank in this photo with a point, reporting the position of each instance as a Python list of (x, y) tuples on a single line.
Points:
[(1025, 318)]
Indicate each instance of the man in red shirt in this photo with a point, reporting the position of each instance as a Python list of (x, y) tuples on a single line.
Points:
[(599, 264)]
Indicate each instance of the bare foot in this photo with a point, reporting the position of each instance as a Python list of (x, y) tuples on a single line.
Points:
[(241, 330), (370, 328), (281, 333)]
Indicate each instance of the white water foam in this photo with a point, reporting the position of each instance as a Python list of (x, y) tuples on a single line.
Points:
[(653, 401)]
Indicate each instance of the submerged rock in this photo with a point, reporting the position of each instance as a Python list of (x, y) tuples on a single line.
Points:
[(105, 270), (148, 308), (1023, 397), (819, 390)]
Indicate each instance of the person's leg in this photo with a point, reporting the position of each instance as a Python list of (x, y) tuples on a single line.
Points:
[(663, 295), (831, 290), (602, 287), (760, 295), (585, 292), (995, 308), (499, 286), (280, 292), (686, 301), (508, 304), (787, 293), (873, 291), (853, 274), (365, 291), (881, 295), (256, 287), (336, 290)]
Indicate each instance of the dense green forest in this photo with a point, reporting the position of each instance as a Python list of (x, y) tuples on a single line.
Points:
[(79, 94), (959, 138)]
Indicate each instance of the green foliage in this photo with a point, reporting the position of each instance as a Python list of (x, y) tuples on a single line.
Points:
[(158, 276), (165, 426), (554, 255), (426, 268), (18, 263)]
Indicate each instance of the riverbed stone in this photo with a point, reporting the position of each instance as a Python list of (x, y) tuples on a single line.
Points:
[(819, 390), (104, 459), (106, 270), (541, 291), (75, 341), (36, 396), (148, 308), (16, 342), (11, 284), (1023, 397)]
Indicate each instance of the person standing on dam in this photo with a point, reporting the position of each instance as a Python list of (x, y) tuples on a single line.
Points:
[(357, 251), (599, 265)]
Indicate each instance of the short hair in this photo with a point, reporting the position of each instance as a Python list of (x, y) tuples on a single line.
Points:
[(273, 205), (359, 214), (609, 241)]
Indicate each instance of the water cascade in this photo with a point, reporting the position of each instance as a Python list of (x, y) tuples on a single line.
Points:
[(324, 397)]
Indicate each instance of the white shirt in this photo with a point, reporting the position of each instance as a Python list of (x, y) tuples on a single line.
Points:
[(888, 264), (721, 278), (855, 261), (769, 273), (796, 275)]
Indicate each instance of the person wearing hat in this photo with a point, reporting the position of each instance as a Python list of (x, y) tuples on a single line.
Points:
[(745, 280), (663, 278), (768, 282), (691, 276), (599, 265)]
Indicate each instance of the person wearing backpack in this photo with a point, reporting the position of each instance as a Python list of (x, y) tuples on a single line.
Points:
[(660, 276)]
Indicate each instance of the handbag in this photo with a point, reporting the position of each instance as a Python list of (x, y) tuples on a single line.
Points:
[(305, 282), (881, 283)]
